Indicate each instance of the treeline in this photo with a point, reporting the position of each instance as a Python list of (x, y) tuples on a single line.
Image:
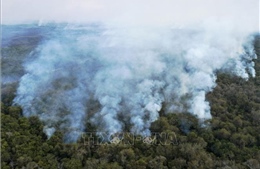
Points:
[(230, 140)]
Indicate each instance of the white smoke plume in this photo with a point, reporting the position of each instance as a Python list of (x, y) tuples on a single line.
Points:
[(130, 72)]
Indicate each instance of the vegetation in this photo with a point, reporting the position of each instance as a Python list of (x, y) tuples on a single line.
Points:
[(230, 140)]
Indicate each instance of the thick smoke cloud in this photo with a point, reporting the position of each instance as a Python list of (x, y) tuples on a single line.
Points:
[(138, 56), (118, 77)]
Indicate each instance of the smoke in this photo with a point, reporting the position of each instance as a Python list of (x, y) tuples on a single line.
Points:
[(119, 77), (153, 12)]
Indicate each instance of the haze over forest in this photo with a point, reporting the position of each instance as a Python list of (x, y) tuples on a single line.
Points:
[(188, 69)]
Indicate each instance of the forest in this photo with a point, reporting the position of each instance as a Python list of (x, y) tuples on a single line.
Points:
[(230, 140)]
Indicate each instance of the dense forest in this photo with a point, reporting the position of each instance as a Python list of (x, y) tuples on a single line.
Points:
[(230, 139)]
